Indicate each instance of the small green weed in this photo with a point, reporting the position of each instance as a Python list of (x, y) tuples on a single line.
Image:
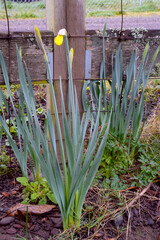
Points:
[(36, 192), (4, 161), (120, 170), (115, 157), (152, 91)]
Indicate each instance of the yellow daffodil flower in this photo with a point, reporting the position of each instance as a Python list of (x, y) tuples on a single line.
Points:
[(39, 42), (71, 53), (59, 39)]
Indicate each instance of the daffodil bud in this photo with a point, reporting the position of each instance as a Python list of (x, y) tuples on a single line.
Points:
[(39, 41), (62, 32), (71, 54)]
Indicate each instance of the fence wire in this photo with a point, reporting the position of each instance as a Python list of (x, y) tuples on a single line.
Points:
[(36, 8), (23, 8), (112, 7)]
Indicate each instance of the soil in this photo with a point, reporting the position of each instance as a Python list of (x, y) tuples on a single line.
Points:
[(92, 23), (138, 222), (142, 220), (42, 226)]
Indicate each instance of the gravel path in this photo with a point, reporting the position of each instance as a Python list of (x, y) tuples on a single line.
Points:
[(148, 22)]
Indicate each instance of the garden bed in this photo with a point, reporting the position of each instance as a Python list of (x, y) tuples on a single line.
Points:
[(111, 214)]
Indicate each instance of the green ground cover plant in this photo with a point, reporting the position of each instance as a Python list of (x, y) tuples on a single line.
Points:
[(4, 161), (36, 192)]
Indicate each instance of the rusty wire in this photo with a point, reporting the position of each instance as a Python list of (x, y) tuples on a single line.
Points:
[(96, 35)]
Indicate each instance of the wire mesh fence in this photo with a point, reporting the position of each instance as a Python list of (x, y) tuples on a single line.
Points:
[(23, 8), (36, 8), (99, 7)]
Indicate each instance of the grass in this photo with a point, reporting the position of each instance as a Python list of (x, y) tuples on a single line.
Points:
[(94, 8), (24, 10), (99, 9)]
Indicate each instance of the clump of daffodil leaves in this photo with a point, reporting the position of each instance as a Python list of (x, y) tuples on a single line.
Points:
[(70, 180)]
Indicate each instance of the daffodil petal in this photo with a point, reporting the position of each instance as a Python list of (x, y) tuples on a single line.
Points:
[(38, 32), (39, 42), (62, 32), (58, 40)]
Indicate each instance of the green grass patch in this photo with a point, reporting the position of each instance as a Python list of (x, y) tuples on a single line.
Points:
[(24, 10), (96, 9)]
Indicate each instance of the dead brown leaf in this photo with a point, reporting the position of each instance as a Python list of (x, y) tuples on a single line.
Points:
[(112, 238), (32, 209), (99, 235), (8, 194)]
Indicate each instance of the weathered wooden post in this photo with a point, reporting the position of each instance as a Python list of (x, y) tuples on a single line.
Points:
[(68, 14), (76, 31)]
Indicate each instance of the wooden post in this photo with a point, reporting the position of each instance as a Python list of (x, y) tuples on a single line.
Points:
[(69, 14), (76, 31), (60, 64), (49, 14)]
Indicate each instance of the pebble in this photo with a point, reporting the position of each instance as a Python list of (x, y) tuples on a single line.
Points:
[(36, 227), (55, 231), (145, 222), (57, 222), (43, 234), (135, 212), (118, 220), (11, 230), (6, 221), (150, 221), (18, 226)]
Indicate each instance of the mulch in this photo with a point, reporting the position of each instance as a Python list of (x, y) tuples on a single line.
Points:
[(138, 222), (141, 221)]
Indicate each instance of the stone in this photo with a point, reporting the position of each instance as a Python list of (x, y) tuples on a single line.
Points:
[(11, 230), (18, 226), (57, 221), (118, 220), (6, 221), (150, 221), (55, 231), (36, 227), (135, 212), (43, 234)]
